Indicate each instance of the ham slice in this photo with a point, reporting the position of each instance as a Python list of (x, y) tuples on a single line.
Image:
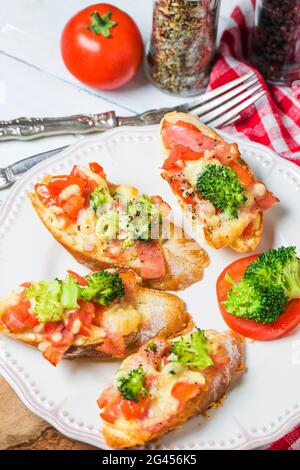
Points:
[(152, 260)]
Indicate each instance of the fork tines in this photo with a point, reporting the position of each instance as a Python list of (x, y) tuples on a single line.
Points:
[(224, 104)]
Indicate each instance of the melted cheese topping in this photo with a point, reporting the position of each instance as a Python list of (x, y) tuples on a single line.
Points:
[(123, 321)]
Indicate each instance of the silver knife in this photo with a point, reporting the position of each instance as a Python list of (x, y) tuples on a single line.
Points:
[(10, 174), (25, 128)]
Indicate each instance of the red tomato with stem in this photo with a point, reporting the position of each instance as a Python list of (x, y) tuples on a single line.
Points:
[(287, 321), (102, 46)]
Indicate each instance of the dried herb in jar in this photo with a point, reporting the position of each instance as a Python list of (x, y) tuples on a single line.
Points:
[(182, 46)]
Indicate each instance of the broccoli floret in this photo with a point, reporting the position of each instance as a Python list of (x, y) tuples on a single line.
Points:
[(46, 300), (279, 267), (220, 185), (263, 304), (131, 386), (103, 287), (144, 218), (98, 198), (192, 351)]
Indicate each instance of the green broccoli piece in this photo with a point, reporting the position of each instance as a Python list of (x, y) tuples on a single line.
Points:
[(51, 299), (98, 198), (103, 287), (132, 385), (263, 304), (220, 185), (279, 267), (192, 351), (144, 218)]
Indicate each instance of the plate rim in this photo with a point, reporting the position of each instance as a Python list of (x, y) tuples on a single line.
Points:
[(15, 380)]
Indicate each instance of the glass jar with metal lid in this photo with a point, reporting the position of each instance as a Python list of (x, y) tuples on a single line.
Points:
[(276, 40), (182, 45)]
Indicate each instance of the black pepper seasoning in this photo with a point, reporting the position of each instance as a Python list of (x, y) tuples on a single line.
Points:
[(276, 40), (182, 46)]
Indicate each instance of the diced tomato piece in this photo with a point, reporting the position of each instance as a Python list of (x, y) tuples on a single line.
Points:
[(26, 284), (243, 174), (97, 320), (132, 410), (110, 401), (60, 182), (183, 391), (79, 279), (89, 188), (52, 327), (179, 187), (113, 345), (179, 152), (152, 260), (45, 196), (12, 322), (73, 206), (96, 168), (54, 354), (17, 317), (86, 312), (248, 230)]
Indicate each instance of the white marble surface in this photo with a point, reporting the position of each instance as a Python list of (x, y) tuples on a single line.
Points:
[(34, 81)]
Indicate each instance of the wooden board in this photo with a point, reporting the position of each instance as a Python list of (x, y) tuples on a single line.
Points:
[(22, 430)]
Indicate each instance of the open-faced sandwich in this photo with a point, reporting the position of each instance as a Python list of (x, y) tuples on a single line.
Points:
[(259, 295), (105, 314), (213, 184), (105, 225), (167, 382)]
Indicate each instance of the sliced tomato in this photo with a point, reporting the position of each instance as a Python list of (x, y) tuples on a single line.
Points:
[(60, 182), (152, 260), (179, 152), (249, 328), (97, 320), (79, 279), (183, 391), (86, 316), (132, 410), (96, 168), (73, 206)]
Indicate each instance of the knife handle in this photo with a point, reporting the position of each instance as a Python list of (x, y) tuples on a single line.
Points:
[(25, 128)]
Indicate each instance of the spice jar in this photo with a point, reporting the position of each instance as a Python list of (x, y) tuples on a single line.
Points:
[(182, 45), (276, 40)]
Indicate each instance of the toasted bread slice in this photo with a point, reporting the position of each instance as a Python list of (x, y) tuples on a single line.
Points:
[(128, 322), (180, 260), (241, 233), (171, 398)]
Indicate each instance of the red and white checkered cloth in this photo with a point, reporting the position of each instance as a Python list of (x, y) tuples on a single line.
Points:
[(273, 121)]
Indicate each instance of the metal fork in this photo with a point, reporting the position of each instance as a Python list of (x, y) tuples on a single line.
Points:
[(217, 108)]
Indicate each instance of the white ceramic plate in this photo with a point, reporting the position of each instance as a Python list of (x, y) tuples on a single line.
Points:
[(263, 405)]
